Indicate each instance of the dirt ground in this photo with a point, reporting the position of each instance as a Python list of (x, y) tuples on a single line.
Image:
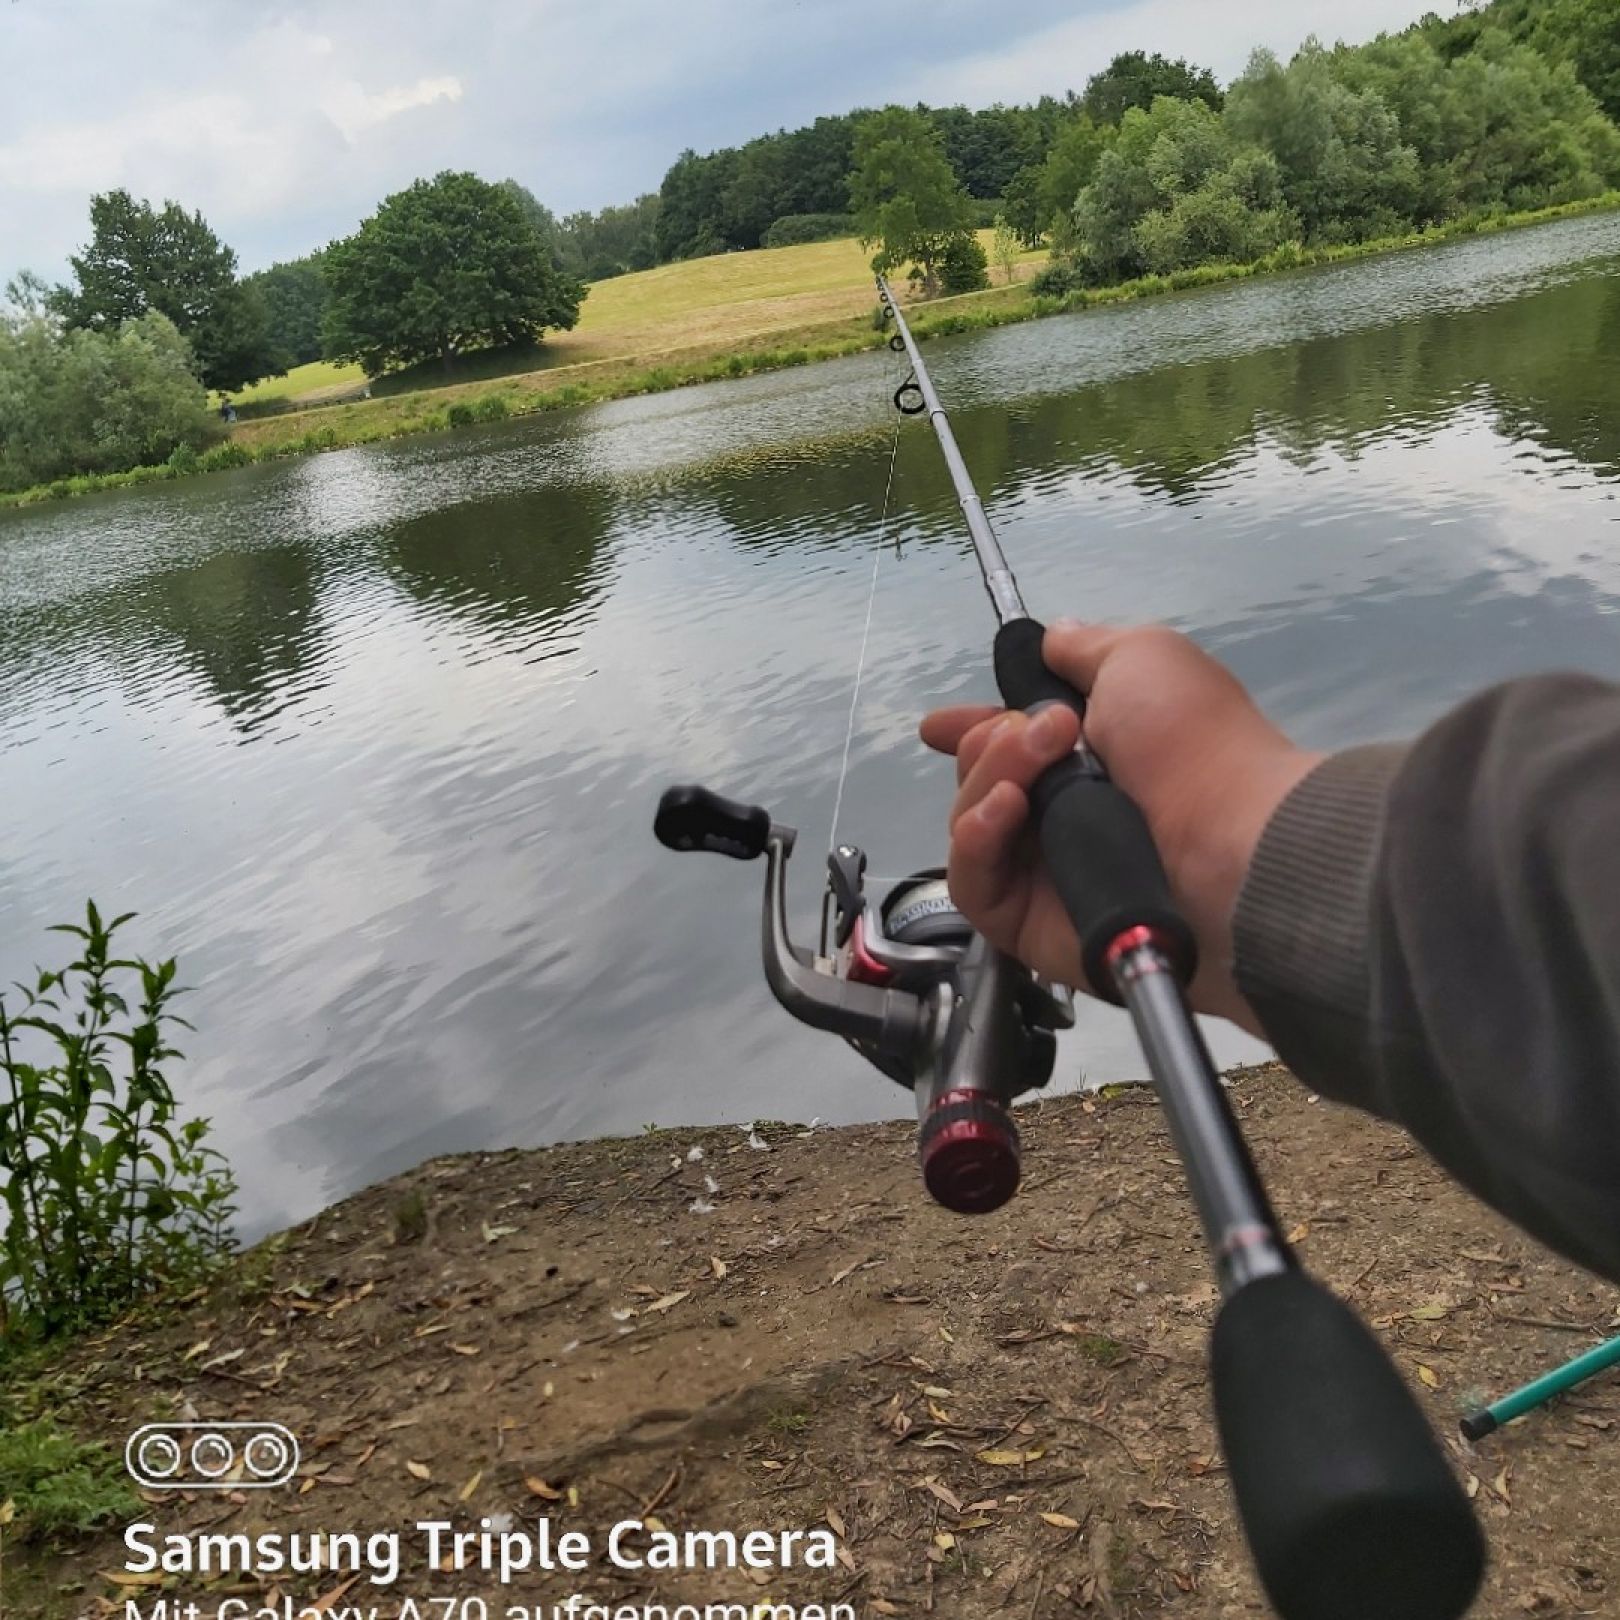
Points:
[(1001, 1416)]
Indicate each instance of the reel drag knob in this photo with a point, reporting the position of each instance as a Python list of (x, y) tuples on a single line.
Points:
[(968, 1147)]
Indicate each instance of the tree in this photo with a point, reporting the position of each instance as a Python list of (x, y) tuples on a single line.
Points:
[(444, 266), (293, 296), (1345, 169), (140, 259), (963, 267), (1006, 247), (73, 400), (1134, 79), (614, 241), (1585, 34), (541, 218), (906, 200), (1053, 186), (985, 149), (691, 209), (1497, 125), (1176, 190)]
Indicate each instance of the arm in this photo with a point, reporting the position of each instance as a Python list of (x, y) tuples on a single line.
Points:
[(1432, 933), (1429, 932)]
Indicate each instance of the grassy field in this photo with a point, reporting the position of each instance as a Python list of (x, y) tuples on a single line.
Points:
[(727, 298), (300, 385)]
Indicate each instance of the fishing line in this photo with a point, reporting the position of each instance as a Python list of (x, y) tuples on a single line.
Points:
[(866, 636)]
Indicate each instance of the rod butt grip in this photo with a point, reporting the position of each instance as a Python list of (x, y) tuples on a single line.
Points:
[(1350, 1507)]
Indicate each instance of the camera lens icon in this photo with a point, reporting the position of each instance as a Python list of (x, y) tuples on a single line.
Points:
[(211, 1456), (158, 1456), (268, 1457)]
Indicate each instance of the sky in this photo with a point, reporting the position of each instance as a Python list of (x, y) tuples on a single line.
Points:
[(287, 121)]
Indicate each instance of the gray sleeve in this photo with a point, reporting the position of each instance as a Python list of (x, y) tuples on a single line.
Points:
[(1432, 933)]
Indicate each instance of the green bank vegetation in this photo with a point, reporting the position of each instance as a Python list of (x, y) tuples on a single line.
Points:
[(529, 393)]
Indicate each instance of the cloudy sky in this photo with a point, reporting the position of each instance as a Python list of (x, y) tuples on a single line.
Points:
[(285, 121)]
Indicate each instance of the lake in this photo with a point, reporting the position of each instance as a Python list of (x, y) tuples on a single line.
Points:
[(372, 739)]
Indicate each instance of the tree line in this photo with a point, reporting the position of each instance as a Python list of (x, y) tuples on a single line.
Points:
[(1344, 145)]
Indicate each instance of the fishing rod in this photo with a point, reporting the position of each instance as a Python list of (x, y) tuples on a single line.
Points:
[(1349, 1506)]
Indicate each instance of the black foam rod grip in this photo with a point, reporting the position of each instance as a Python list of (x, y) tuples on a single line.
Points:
[(1096, 844), (694, 818), (1022, 677), (1350, 1508)]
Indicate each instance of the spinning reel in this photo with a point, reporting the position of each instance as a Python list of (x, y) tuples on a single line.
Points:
[(909, 985)]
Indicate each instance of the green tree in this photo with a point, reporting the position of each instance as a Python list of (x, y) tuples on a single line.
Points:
[(1134, 79), (1006, 247), (1345, 169), (907, 202), (1176, 190), (964, 266), (545, 223), (1496, 126), (691, 206), (1584, 34), (986, 148), (77, 401), (293, 296), (142, 259), (1055, 184), (614, 241), (445, 266)]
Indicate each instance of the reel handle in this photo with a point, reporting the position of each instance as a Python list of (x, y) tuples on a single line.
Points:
[(696, 818), (1349, 1505), (1095, 841)]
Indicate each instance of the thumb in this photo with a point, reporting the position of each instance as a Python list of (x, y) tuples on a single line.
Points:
[(1077, 651)]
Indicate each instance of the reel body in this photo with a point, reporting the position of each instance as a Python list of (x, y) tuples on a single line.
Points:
[(909, 986)]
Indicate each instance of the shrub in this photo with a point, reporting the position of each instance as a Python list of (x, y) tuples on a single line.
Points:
[(792, 229), (106, 1195), (221, 456), (459, 414), (1058, 278), (491, 408), (964, 268)]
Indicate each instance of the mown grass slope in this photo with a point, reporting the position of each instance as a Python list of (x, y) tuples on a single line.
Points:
[(694, 303)]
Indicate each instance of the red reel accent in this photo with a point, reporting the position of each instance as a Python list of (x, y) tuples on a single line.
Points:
[(864, 968), (968, 1146)]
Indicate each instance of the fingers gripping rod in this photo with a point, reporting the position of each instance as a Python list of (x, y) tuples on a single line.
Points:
[(1349, 1505)]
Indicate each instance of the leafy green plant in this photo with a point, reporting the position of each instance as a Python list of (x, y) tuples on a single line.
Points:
[(107, 1194), (51, 1483), (222, 456)]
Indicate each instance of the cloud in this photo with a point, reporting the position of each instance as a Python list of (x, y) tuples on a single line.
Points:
[(354, 111)]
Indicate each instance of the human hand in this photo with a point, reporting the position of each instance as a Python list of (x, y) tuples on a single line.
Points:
[(1179, 735)]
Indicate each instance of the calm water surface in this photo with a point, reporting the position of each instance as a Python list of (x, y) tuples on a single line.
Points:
[(372, 740)]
